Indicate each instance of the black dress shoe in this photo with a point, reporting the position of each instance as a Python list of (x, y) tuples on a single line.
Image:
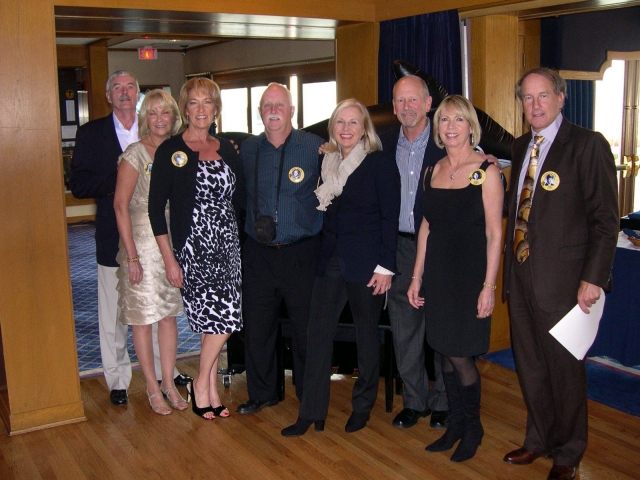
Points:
[(439, 419), (522, 456), (559, 472), (357, 421), (181, 380), (408, 417), (253, 406), (119, 397)]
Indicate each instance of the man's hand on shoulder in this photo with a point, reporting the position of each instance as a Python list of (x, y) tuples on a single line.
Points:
[(322, 149), (490, 158), (588, 294)]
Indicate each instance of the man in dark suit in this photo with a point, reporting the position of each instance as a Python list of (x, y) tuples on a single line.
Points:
[(94, 168), (414, 150), (566, 238)]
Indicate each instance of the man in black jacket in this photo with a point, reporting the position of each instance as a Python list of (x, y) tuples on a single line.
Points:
[(414, 150), (94, 169)]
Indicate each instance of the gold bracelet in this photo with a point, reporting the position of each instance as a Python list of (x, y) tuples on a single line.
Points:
[(491, 286), (134, 259)]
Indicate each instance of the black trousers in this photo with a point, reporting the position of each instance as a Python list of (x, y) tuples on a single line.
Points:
[(269, 276), (330, 294), (553, 382)]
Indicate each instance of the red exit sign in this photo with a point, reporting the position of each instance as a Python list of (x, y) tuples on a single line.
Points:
[(147, 53)]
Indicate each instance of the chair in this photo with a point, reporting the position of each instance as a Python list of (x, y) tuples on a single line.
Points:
[(346, 333)]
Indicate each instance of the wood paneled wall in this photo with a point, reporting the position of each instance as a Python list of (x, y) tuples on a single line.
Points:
[(98, 76), (494, 71), (357, 62), (36, 314), (71, 56)]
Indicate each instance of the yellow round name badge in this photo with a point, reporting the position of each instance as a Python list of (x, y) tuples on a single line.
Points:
[(549, 181), (296, 174), (477, 177), (179, 159), (147, 167)]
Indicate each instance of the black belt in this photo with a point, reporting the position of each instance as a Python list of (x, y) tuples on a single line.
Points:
[(285, 245), (410, 236)]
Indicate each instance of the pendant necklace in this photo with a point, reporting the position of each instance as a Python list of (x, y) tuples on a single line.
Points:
[(453, 175)]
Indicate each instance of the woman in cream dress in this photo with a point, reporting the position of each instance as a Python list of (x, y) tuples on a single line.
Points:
[(145, 295)]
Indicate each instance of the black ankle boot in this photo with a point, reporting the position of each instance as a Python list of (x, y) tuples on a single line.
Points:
[(455, 429), (301, 426), (357, 421), (473, 431)]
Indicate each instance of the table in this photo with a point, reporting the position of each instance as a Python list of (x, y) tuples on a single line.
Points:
[(619, 333)]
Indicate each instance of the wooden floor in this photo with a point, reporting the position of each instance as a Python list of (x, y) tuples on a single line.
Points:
[(133, 443)]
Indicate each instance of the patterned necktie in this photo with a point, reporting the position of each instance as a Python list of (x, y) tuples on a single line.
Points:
[(521, 237)]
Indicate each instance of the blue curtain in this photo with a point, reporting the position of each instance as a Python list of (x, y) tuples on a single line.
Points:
[(579, 105), (430, 42)]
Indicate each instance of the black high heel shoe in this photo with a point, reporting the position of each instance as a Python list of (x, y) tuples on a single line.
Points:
[(219, 410), (301, 426), (201, 412), (357, 421)]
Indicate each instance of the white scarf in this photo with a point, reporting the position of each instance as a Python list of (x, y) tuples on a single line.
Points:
[(335, 172)]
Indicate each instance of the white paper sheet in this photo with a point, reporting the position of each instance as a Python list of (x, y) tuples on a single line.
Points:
[(577, 330)]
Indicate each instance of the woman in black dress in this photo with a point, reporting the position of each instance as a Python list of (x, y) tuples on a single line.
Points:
[(458, 254), (361, 199), (201, 177)]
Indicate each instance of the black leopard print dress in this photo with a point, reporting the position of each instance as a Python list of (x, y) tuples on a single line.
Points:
[(210, 258)]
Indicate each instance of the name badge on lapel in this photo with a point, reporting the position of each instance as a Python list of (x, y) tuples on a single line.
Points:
[(296, 174), (477, 177), (549, 181), (179, 159)]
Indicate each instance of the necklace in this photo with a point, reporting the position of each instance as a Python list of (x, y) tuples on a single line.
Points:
[(453, 175)]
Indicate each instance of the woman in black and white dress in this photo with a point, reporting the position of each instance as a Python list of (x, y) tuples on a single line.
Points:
[(201, 177)]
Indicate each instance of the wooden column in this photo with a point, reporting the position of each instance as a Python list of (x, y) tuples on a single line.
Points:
[(98, 76), (39, 367), (494, 67), (357, 62), (494, 72)]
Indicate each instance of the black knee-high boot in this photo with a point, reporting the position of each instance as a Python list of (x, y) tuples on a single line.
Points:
[(455, 429), (473, 431)]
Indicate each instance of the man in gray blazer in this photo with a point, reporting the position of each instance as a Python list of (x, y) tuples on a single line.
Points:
[(560, 242)]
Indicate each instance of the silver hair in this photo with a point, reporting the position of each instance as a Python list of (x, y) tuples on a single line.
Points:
[(121, 73)]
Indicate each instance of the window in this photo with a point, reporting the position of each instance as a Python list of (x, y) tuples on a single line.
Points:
[(616, 117), (312, 86), (319, 100), (234, 110)]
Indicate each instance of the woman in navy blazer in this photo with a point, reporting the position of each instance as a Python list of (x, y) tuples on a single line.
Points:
[(360, 195)]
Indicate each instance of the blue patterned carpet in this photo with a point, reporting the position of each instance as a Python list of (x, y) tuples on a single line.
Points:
[(84, 283), (615, 386)]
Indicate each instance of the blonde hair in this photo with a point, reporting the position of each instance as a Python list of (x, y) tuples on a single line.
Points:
[(371, 140), (203, 84), (464, 108), (166, 101)]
